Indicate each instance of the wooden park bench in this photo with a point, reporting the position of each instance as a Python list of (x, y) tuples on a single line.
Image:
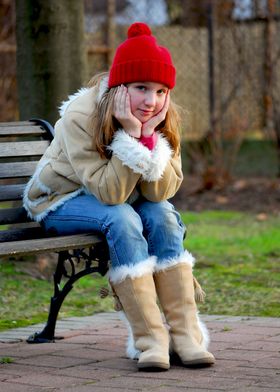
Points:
[(21, 146)]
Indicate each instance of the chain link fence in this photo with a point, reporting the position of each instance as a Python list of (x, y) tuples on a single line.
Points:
[(220, 52), (227, 55)]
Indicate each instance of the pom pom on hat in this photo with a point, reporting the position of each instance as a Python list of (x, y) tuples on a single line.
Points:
[(139, 58), (138, 29)]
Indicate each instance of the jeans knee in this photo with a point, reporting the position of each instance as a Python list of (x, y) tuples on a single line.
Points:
[(123, 221), (161, 216)]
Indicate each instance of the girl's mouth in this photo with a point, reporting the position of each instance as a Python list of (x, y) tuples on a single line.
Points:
[(146, 111)]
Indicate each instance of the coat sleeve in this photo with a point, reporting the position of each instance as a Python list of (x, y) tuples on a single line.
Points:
[(161, 174), (167, 185), (111, 180)]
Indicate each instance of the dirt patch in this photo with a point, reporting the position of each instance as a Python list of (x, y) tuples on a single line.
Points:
[(257, 195)]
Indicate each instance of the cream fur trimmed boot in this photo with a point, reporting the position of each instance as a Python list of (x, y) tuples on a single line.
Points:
[(175, 289), (137, 295)]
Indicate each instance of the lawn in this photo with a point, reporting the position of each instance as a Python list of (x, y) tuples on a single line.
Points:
[(237, 265), (237, 262)]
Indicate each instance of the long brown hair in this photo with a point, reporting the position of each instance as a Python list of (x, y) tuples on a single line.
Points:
[(105, 124)]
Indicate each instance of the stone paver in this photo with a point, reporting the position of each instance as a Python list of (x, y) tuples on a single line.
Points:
[(91, 357)]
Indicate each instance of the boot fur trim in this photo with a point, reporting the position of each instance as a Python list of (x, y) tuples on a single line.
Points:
[(131, 351), (117, 275), (186, 258), (205, 334)]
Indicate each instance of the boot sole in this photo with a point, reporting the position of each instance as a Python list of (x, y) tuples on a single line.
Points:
[(202, 362), (153, 367)]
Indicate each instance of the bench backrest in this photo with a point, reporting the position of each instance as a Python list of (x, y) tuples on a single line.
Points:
[(21, 146)]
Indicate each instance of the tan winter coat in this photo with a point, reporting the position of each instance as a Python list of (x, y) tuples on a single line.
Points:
[(71, 166)]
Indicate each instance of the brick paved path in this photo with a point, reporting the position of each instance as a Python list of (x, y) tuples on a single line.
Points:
[(91, 358)]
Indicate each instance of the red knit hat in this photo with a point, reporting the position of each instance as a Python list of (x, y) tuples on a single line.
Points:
[(140, 59)]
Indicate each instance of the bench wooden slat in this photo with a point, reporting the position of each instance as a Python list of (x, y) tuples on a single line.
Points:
[(23, 233), (15, 123), (10, 216), (20, 248), (17, 169), (11, 192), (21, 149), (20, 130)]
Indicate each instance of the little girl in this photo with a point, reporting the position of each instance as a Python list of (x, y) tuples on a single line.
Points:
[(111, 167)]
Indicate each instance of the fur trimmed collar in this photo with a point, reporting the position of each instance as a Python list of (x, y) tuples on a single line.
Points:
[(103, 87)]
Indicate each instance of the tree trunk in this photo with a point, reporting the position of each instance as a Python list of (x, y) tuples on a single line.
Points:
[(277, 133), (51, 57), (268, 68)]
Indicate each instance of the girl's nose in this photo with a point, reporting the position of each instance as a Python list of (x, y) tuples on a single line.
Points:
[(150, 98)]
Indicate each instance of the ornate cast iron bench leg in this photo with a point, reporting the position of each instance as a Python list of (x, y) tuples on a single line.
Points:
[(99, 254)]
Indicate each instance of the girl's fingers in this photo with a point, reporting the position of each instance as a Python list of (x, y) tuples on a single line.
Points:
[(127, 103), (117, 101), (166, 103), (120, 100), (122, 109), (122, 112), (149, 127), (162, 113), (122, 97)]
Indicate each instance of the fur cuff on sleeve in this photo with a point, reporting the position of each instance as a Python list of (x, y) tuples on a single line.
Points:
[(150, 164), (132, 153), (160, 156)]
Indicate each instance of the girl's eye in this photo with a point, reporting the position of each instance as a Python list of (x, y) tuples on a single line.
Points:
[(161, 92), (141, 88)]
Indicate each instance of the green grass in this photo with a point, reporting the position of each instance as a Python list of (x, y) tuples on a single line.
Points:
[(237, 264), (25, 300), (5, 360)]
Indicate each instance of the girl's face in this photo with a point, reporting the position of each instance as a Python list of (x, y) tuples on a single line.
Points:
[(146, 99)]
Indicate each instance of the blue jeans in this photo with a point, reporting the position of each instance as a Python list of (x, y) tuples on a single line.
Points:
[(133, 232)]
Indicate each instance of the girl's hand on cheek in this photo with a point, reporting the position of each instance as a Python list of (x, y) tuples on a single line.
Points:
[(122, 112), (149, 127)]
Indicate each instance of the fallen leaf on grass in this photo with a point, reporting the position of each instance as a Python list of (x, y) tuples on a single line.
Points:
[(239, 185), (221, 200), (261, 217)]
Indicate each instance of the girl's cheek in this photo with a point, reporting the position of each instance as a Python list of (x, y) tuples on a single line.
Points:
[(161, 105)]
